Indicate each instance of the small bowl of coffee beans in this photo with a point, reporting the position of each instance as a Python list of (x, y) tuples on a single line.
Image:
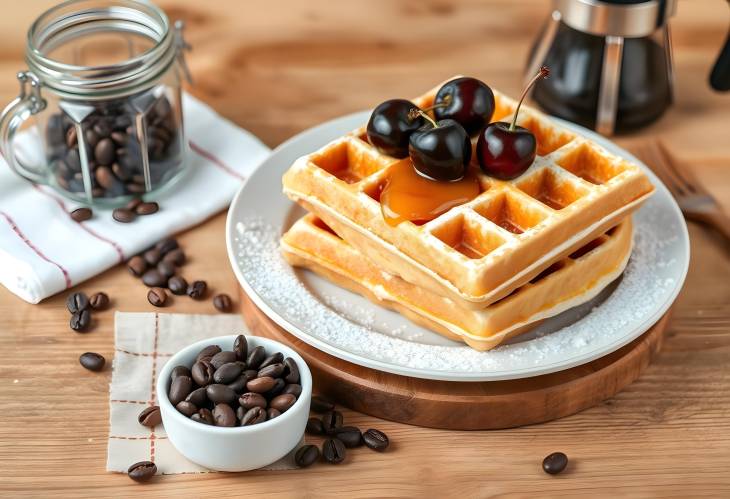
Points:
[(235, 403)]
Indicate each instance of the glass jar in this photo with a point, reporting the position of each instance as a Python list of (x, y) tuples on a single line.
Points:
[(100, 105)]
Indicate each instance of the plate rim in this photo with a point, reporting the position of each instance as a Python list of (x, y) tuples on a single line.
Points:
[(450, 375)]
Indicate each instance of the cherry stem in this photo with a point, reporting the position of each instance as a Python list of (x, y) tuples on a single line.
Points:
[(445, 103), (415, 113), (543, 73)]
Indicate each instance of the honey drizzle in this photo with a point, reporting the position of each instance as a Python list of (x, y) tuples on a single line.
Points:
[(409, 196)]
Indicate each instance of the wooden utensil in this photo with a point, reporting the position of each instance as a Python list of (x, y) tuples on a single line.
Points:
[(696, 203)]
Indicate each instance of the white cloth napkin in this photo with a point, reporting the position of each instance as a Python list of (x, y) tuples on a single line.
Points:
[(43, 251), (143, 342)]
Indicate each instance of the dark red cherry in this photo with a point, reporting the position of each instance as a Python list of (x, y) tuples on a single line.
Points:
[(467, 101), (505, 150), (503, 153), (391, 125), (441, 150)]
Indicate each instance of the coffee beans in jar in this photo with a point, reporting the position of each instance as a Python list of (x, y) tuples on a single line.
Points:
[(230, 388)]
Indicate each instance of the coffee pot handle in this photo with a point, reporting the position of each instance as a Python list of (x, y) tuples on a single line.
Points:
[(720, 75), (13, 116)]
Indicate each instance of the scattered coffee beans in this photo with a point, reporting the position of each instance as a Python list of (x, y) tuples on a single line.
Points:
[(223, 382), (376, 440), (333, 450), (152, 256), (331, 421), (349, 435), (321, 405), (81, 214), (306, 455), (76, 302), (147, 208), (197, 289), (150, 416), (177, 285), (92, 361), (80, 321), (175, 257), (142, 471), (153, 279), (222, 302), (157, 297), (99, 301), (315, 426), (555, 463), (123, 215), (137, 266)]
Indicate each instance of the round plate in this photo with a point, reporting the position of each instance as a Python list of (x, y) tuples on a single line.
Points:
[(352, 328)]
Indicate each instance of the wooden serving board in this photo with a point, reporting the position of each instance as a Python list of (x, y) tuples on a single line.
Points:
[(466, 405)]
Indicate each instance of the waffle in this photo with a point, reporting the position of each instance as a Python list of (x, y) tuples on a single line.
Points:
[(478, 252), (311, 244)]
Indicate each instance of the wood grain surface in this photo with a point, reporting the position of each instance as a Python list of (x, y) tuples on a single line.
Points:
[(277, 68)]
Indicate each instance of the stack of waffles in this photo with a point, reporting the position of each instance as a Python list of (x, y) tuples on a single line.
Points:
[(484, 271)]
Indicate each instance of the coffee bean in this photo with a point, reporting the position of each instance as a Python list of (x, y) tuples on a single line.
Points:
[(197, 397), (179, 389), (260, 385), (226, 373), (99, 301), (204, 416), (272, 413), (142, 471), (177, 285), (153, 279), (278, 387), (72, 160), (186, 408), (179, 371), (123, 216), (92, 361), (253, 416), (321, 405), (218, 393), (157, 297), (208, 352), (223, 357), (152, 256), (376, 440), (135, 188), (256, 357), (250, 400), (271, 370), (291, 371), (150, 416), (202, 373), (119, 138), (333, 451), (132, 204), (167, 245), (315, 426), (555, 463), (77, 302), (147, 208), (102, 128), (331, 421), (197, 289), (224, 415), (104, 152), (239, 384), (306, 455), (240, 347), (222, 302), (275, 358), (81, 214), (166, 269), (137, 266), (105, 177), (175, 257), (80, 321), (71, 137), (283, 402), (293, 388), (91, 138), (350, 436)]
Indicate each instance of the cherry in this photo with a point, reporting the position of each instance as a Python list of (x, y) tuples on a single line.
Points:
[(391, 125), (440, 150), (467, 101), (504, 150)]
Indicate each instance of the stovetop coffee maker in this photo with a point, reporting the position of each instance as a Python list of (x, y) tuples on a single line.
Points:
[(610, 63)]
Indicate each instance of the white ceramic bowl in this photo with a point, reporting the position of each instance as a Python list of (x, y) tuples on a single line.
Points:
[(240, 448)]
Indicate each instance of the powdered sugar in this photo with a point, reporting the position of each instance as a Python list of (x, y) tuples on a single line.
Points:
[(335, 323)]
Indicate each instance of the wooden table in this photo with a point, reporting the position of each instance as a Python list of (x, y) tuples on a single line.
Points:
[(277, 68)]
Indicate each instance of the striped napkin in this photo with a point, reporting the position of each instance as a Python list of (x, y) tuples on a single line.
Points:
[(143, 342), (43, 251)]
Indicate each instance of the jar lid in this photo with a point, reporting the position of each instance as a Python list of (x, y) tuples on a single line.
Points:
[(65, 43), (625, 18)]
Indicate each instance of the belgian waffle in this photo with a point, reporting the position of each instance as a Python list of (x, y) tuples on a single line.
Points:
[(311, 244), (480, 251)]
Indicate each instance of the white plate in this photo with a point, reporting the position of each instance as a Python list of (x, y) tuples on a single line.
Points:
[(350, 327)]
